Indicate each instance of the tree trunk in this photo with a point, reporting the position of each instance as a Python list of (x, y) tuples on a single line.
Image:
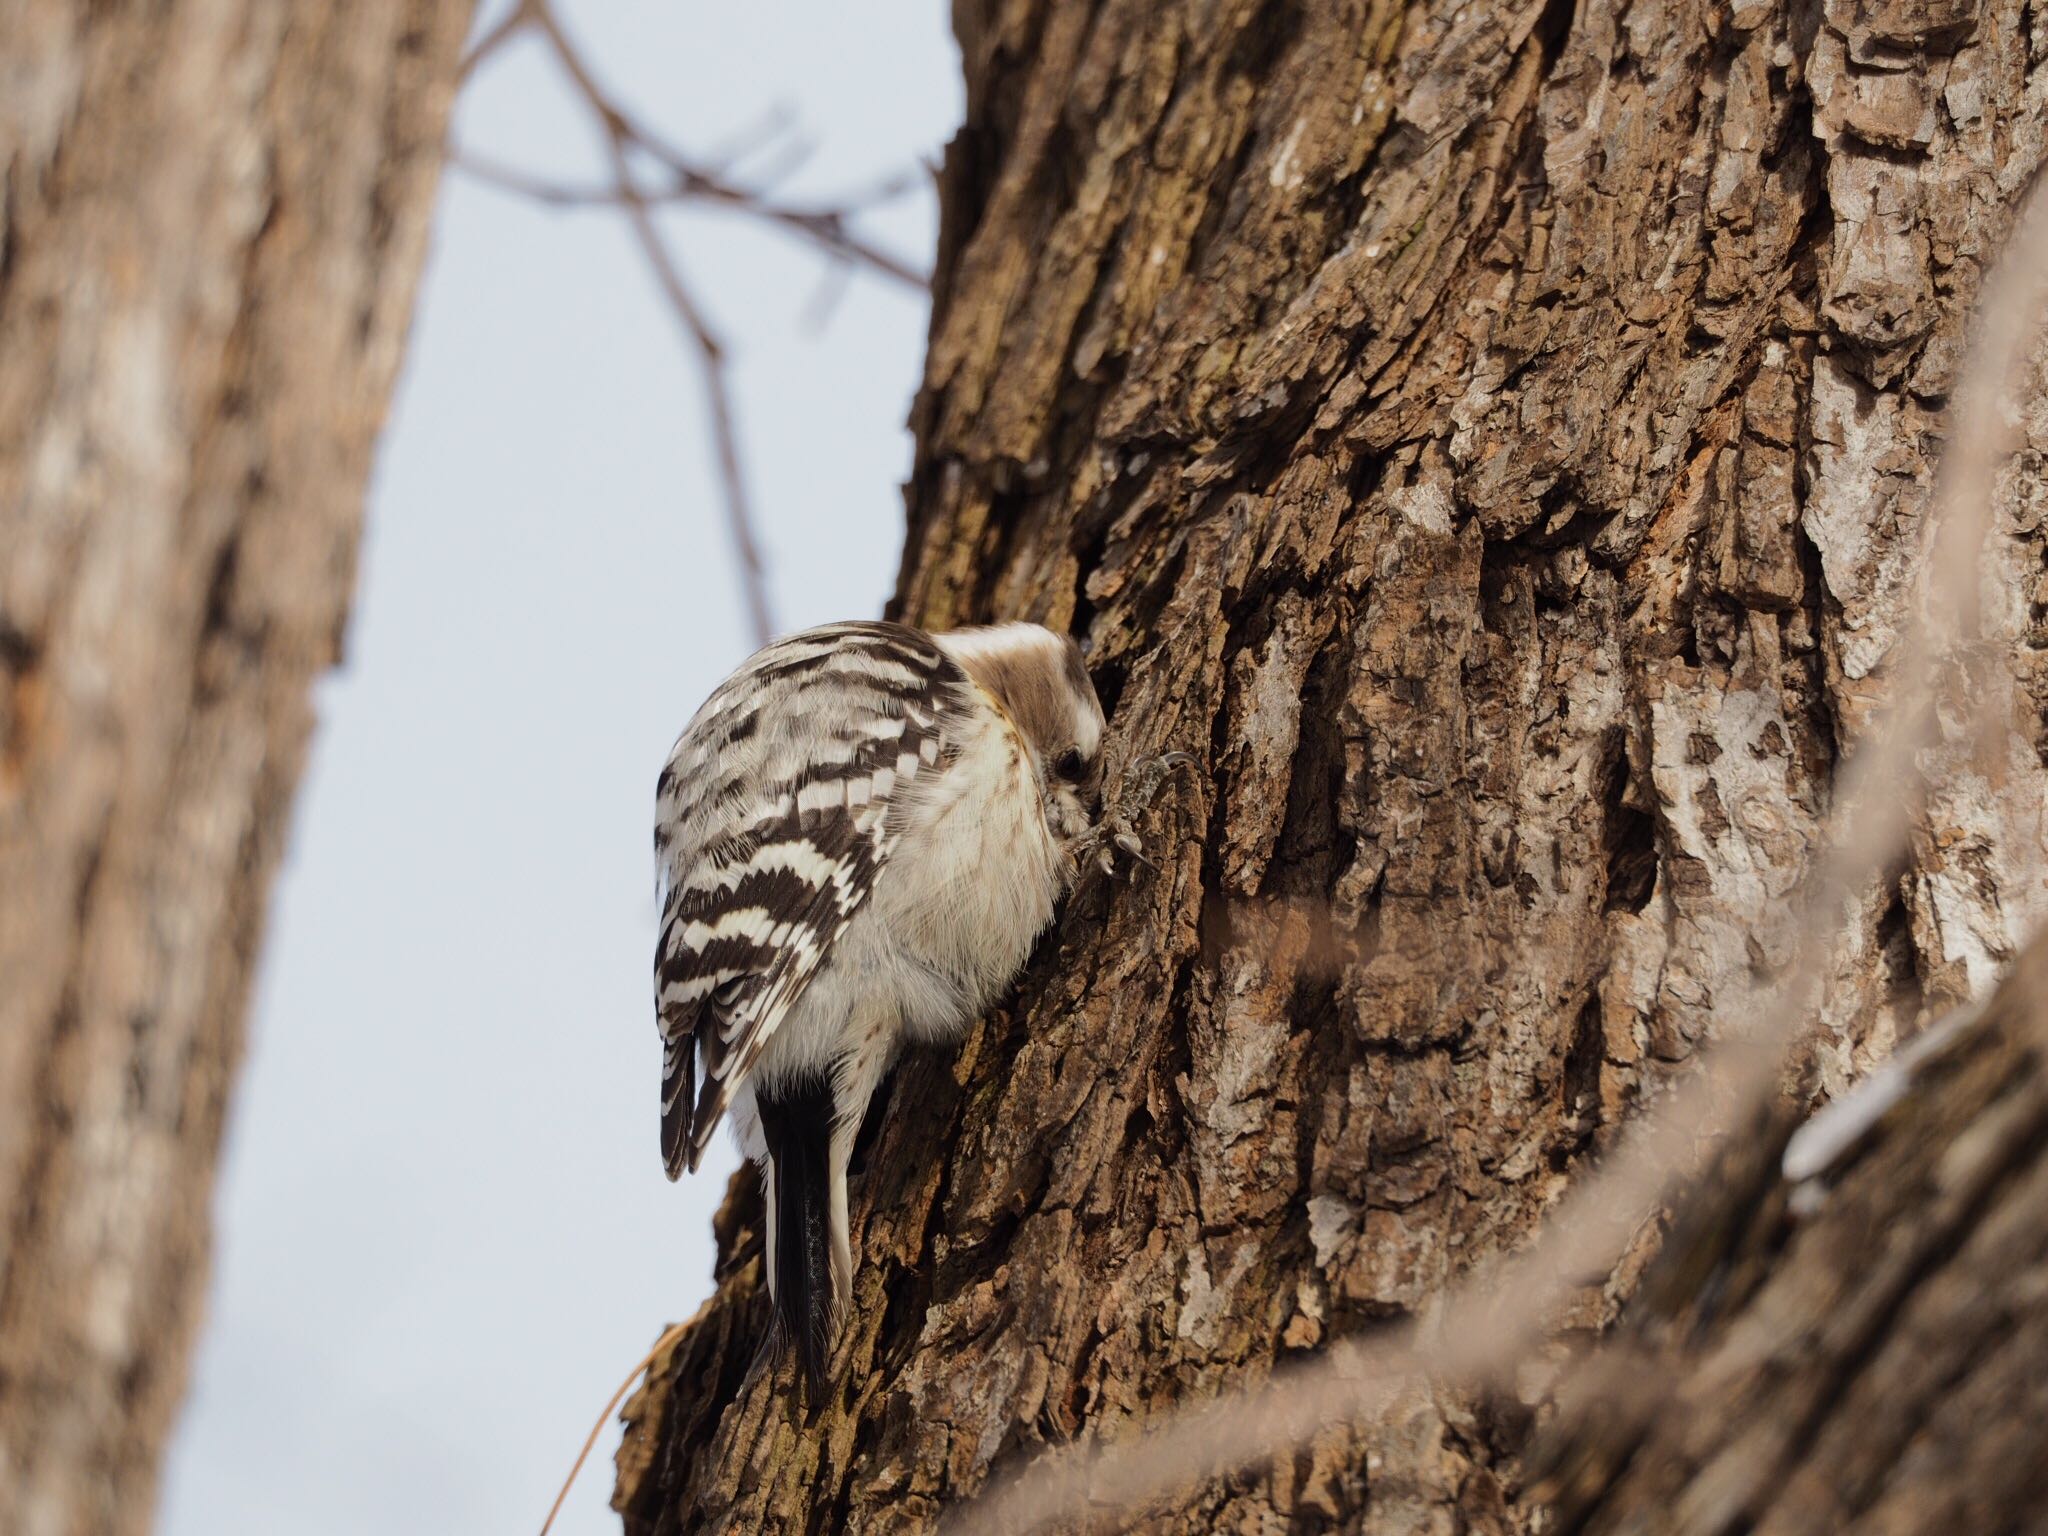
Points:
[(1497, 443), (212, 217)]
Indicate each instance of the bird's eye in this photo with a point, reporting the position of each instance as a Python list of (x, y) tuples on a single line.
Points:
[(1069, 765)]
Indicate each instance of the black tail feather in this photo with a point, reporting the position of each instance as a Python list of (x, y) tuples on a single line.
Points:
[(796, 1122)]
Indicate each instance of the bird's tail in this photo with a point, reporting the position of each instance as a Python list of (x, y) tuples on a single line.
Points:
[(796, 1122)]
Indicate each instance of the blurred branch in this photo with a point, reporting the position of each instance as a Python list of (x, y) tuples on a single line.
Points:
[(824, 226), (678, 178), (514, 22), (717, 392), (539, 189), (684, 187)]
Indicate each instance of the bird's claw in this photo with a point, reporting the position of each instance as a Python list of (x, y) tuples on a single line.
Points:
[(1113, 833), (1117, 829)]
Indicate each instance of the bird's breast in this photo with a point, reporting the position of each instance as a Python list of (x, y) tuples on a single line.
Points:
[(974, 880)]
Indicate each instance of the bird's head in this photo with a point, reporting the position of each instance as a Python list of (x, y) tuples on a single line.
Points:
[(1038, 678)]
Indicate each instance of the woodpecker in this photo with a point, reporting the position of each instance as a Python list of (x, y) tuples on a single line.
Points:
[(859, 837)]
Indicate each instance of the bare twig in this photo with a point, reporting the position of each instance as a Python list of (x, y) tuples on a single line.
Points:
[(554, 194), (677, 178), (1498, 1315), (669, 1335), (718, 395), (824, 225), (755, 137), (827, 225), (515, 21)]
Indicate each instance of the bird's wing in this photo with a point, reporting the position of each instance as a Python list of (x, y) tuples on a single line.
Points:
[(780, 803)]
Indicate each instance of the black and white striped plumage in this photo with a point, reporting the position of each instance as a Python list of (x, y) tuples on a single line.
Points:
[(859, 836)]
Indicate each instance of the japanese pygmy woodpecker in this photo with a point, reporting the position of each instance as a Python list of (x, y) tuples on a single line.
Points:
[(858, 837)]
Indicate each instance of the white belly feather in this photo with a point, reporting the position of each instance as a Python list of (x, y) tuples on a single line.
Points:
[(952, 917)]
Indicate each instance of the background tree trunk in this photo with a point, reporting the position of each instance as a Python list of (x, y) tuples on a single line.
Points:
[(1496, 440), (212, 216)]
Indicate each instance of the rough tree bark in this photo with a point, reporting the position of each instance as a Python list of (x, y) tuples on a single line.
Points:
[(212, 216), (1859, 1351), (1496, 440)]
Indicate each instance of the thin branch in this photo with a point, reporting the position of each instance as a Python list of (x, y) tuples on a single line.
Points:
[(718, 395), (553, 194), (673, 1332), (825, 227), (686, 180), (755, 138), (845, 249), (516, 20), (825, 298)]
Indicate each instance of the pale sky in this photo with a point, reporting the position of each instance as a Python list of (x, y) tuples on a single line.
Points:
[(443, 1231)]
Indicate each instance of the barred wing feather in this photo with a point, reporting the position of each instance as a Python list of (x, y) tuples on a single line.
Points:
[(780, 804)]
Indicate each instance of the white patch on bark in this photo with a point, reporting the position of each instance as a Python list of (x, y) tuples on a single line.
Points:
[(1205, 1302), (1837, 1128), (1426, 506), (1283, 174), (1863, 511), (1330, 1224)]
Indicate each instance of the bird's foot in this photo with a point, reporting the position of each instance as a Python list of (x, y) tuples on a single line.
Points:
[(1116, 829)]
